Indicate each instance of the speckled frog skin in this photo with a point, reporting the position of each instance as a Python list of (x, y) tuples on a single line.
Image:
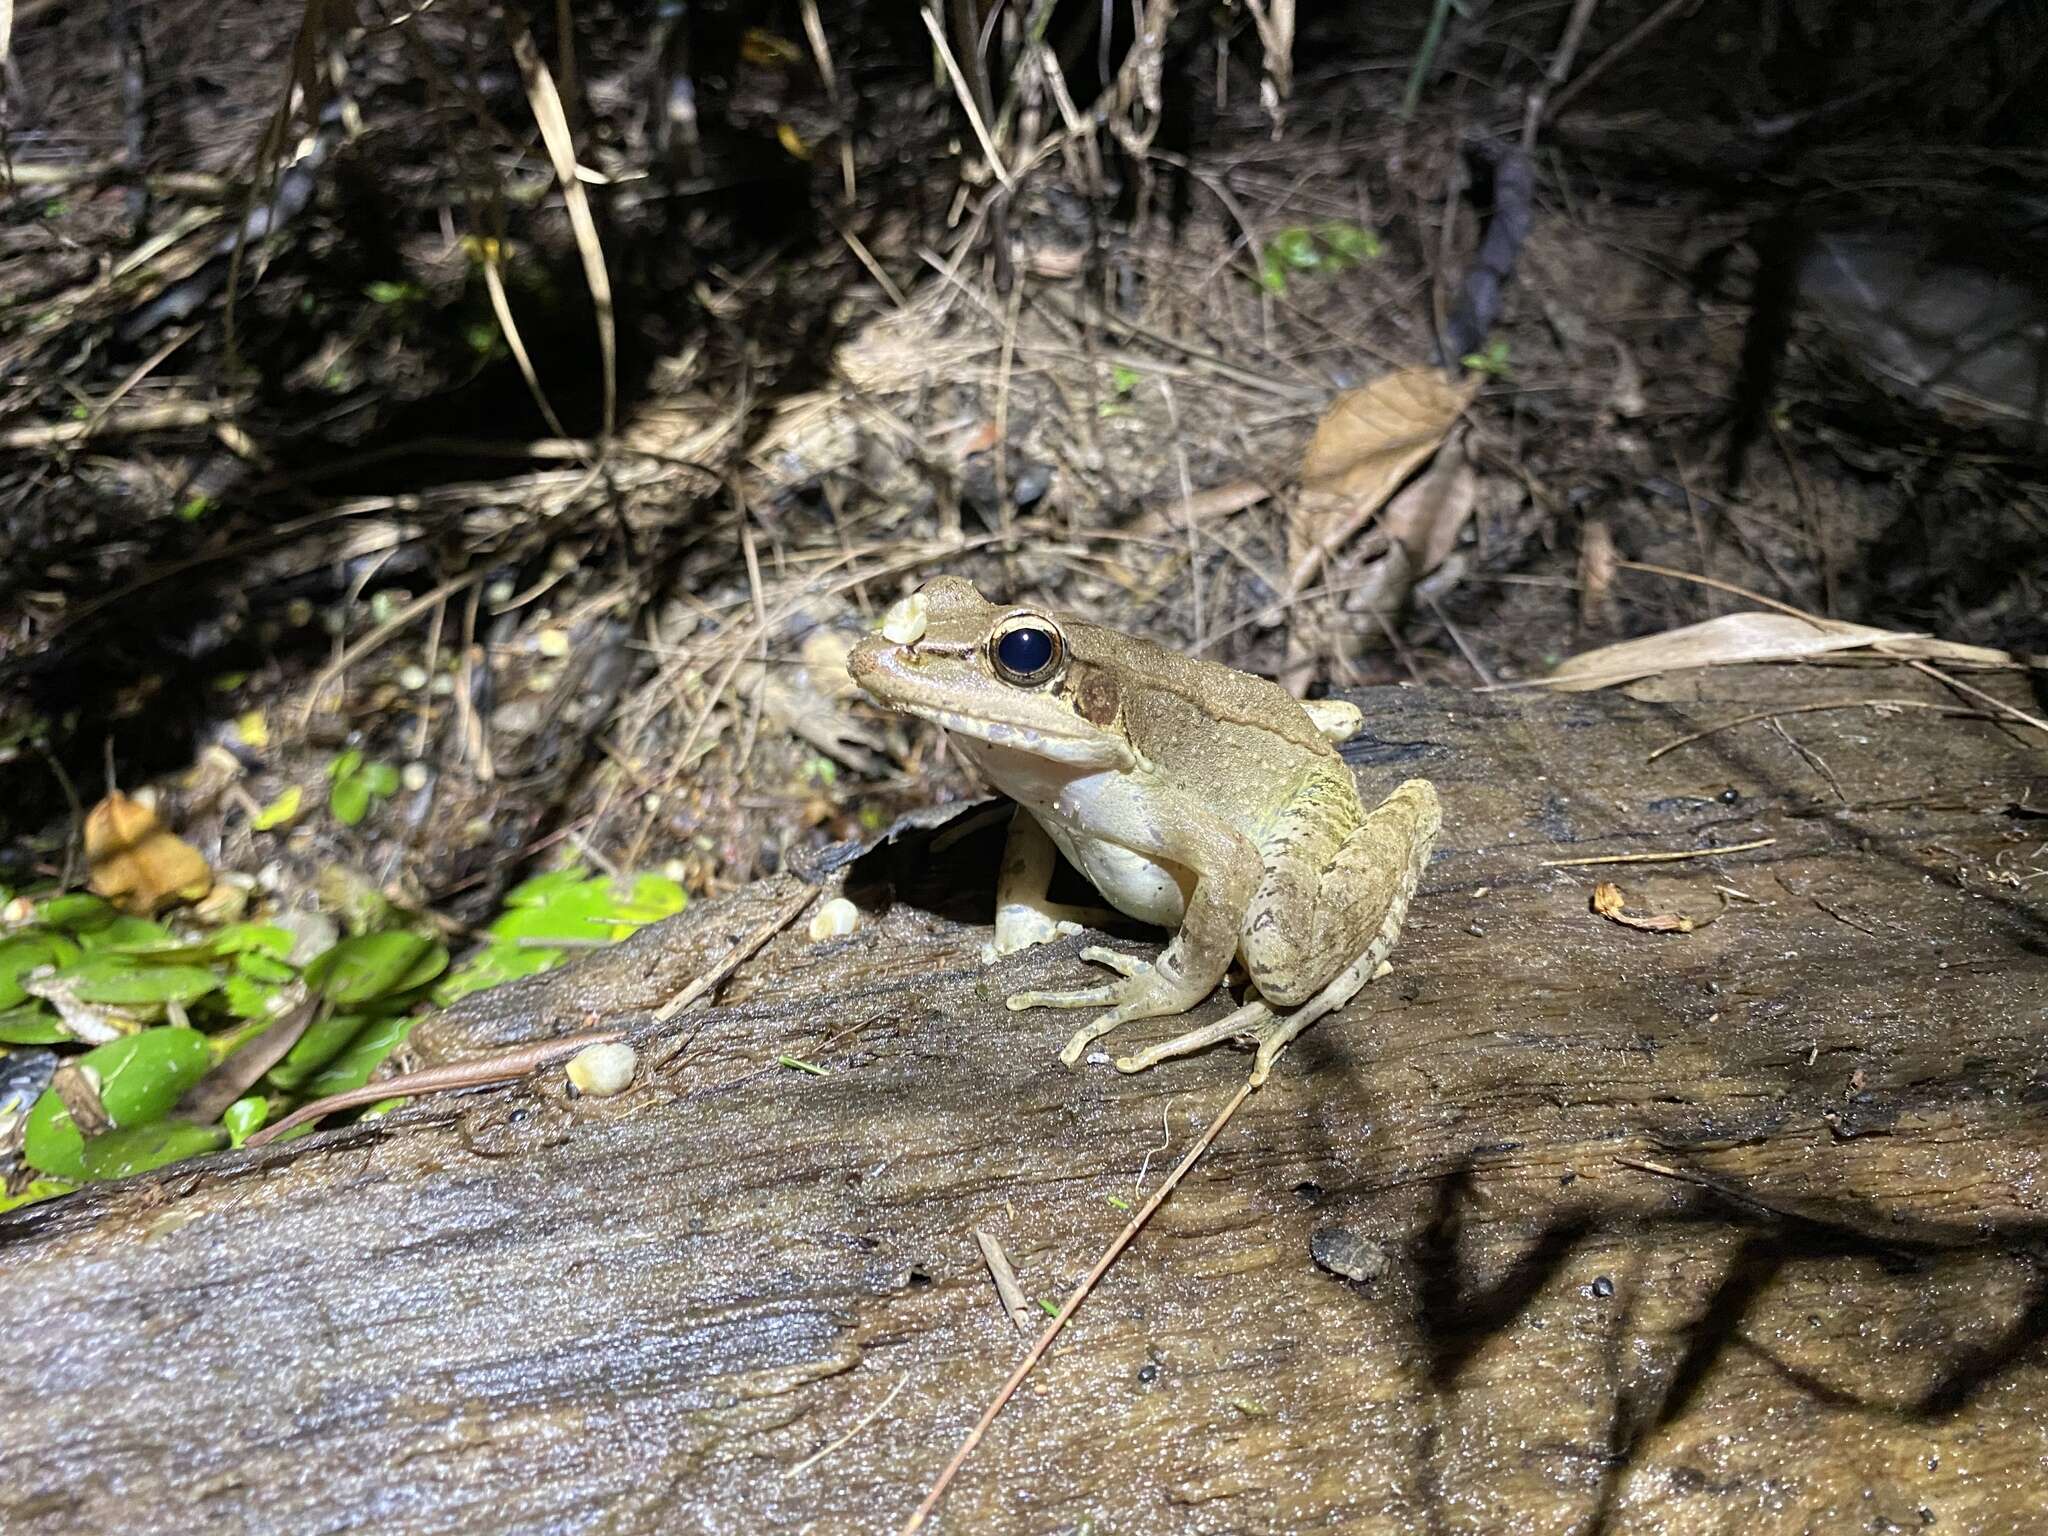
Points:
[(1191, 795)]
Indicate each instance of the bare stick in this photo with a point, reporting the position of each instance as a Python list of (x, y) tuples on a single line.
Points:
[(1978, 693), (1808, 709), (1008, 1291), (482, 1072), (1660, 858), (1052, 1331)]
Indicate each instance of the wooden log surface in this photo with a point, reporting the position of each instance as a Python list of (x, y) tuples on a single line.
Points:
[(1740, 1229)]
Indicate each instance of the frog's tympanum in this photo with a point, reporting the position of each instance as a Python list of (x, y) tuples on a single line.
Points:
[(1192, 796)]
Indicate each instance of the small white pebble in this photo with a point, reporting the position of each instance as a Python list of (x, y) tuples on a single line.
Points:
[(412, 678), (499, 592), (552, 642), (603, 1070), (443, 685), (834, 920), (904, 623), (414, 776)]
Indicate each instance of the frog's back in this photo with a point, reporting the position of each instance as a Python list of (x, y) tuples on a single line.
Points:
[(1212, 728)]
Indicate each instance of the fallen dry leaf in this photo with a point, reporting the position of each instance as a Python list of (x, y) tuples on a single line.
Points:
[(1609, 901), (136, 862), (1741, 637), (1368, 442)]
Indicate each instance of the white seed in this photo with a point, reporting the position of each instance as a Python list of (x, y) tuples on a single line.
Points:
[(415, 776), (905, 621), (412, 678), (834, 920), (603, 1070)]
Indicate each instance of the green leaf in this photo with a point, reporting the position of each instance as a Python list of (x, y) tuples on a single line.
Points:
[(50, 1143), (1296, 248), (320, 1044), (24, 953), (376, 965), (140, 1077), (244, 1118), (349, 800), (118, 981), (116, 1154), (143, 1075), (1349, 243), (1122, 378), (30, 1024), (494, 967), (131, 936), (265, 968), (1273, 274), (542, 889), (248, 998), (253, 939), (344, 765), (653, 897), (38, 1189), (381, 779), (281, 810), (76, 913), (365, 1053)]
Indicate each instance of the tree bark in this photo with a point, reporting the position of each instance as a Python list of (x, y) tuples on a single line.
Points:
[(1740, 1229)]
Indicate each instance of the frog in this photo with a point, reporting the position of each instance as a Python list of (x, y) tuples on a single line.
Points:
[(1192, 796)]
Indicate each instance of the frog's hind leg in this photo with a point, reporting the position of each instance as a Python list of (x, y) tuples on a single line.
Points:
[(1372, 880)]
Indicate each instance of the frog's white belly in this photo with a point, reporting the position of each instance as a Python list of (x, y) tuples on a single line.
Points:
[(1099, 820)]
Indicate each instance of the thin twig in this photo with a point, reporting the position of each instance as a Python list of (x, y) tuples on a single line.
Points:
[(1008, 1291), (1809, 709), (784, 915), (867, 1418), (1073, 1304), (1660, 858), (1976, 693), (960, 89), (480, 1072)]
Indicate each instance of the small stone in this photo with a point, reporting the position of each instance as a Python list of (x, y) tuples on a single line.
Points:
[(1603, 1286), (1343, 1252), (413, 678), (603, 1070), (443, 685), (834, 920), (552, 642), (415, 776)]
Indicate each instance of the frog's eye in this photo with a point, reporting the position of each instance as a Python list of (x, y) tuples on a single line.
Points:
[(1026, 653)]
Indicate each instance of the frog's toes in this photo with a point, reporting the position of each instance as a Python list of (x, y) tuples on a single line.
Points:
[(1078, 997), (1117, 960)]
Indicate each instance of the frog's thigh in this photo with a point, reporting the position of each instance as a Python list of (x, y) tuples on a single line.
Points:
[(1024, 916), (1327, 894)]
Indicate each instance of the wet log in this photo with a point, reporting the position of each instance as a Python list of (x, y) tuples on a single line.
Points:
[(1563, 1226)]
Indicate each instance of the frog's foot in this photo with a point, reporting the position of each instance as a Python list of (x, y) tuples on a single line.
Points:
[(1253, 1020), (1019, 928), (1257, 1023), (1145, 992)]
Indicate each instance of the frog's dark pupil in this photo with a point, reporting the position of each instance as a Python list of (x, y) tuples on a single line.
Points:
[(1024, 651)]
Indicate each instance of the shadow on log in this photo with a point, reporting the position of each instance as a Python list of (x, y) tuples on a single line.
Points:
[(1735, 1230)]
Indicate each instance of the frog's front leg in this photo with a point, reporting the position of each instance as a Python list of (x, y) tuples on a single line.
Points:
[(1325, 918), (1024, 914), (1226, 868)]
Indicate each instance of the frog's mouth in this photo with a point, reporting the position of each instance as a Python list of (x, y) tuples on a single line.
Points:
[(947, 686)]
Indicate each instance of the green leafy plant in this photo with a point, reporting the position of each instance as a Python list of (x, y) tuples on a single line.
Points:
[(356, 785), (549, 915), (1492, 362), (143, 1014), (1327, 247)]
